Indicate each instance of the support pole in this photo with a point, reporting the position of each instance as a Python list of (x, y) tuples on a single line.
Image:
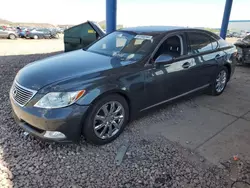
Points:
[(111, 15), (226, 16)]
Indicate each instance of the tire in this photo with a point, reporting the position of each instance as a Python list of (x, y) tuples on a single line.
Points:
[(215, 90), (35, 37), (12, 36), (94, 126)]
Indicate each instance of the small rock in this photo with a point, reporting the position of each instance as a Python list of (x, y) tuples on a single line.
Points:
[(202, 159), (188, 170)]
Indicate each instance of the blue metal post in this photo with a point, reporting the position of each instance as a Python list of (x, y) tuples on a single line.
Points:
[(226, 16), (111, 15)]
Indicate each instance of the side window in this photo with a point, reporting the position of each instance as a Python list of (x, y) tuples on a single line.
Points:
[(172, 46), (199, 42)]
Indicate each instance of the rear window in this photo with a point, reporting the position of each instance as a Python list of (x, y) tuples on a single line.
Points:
[(201, 42)]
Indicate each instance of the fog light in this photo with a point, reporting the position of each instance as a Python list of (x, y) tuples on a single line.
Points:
[(54, 134)]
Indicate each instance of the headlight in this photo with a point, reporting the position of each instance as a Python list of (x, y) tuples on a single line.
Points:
[(59, 99)]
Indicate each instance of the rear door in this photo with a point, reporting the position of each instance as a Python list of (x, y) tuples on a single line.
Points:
[(204, 49), (82, 35)]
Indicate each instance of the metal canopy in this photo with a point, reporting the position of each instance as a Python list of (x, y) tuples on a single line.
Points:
[(111, 7)]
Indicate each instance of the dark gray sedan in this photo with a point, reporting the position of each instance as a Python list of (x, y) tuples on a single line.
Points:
[(95, 91)]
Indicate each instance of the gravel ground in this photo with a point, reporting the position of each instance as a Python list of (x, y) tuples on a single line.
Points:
[(150, 161)]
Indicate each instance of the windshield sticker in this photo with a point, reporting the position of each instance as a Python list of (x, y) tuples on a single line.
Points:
[(143, 37)]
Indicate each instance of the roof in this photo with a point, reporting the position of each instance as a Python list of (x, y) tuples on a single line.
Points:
[(146, 29)]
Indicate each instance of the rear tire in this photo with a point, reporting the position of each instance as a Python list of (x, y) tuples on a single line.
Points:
[(219, 82), (102, 127), (35, 37), (12, 36)]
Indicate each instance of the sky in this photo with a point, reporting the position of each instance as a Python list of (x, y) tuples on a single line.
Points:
[(192, 13)]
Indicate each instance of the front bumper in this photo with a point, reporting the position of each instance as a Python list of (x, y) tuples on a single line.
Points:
[(37, 121)]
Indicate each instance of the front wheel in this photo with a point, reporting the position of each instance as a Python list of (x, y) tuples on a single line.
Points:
[(12, 36), (106, 119), (219, 82)]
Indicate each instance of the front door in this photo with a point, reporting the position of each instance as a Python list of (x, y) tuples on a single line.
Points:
[(170, 80)]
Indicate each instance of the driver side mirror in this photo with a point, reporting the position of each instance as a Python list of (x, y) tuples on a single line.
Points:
[(164, 59)]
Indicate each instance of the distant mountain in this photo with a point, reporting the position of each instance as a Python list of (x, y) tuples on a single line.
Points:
[(9, 23), (46, 25), (5, 22)]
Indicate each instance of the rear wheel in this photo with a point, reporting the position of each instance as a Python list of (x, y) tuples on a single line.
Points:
[(35, 37), (219, 82), (12, 36), (106, 119)]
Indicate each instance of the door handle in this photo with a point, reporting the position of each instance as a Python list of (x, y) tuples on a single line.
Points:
[(217, 57), (186, 65)]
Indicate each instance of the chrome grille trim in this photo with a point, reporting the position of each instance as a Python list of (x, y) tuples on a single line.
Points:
[(20, 94)]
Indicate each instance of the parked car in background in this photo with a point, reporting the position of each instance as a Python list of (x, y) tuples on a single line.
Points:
[(9, 33), (243, 47), (41, 34), (22, 31), (95, 91)]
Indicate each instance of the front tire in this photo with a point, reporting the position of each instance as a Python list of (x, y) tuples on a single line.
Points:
[(106, 119), (219, 82), (12, 36)]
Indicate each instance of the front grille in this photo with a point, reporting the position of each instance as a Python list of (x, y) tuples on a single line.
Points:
[(21, 94)]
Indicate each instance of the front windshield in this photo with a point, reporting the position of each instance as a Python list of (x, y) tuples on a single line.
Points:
[(124, 45)]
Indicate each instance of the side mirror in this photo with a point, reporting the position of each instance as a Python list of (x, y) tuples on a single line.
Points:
[(164, 59)]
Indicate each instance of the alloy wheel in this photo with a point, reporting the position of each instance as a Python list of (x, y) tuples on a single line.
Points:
[(221, 81), (109, 119)]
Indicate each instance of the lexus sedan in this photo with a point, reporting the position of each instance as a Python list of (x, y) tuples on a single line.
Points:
[(95, 91)]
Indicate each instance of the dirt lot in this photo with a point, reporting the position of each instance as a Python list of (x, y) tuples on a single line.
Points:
[(30, 46), (174, 156)]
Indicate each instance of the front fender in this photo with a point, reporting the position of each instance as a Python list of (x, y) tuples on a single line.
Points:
[(95, 93)]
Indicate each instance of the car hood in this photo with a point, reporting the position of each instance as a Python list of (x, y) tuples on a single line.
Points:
[(65, 66)]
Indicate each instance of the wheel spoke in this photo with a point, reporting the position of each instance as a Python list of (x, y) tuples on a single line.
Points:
[(105, 110), (115, 124), (117, 110), (104, 131), (110, 131), (118, 117), (112, 107), (101, 118), (99, 126)]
